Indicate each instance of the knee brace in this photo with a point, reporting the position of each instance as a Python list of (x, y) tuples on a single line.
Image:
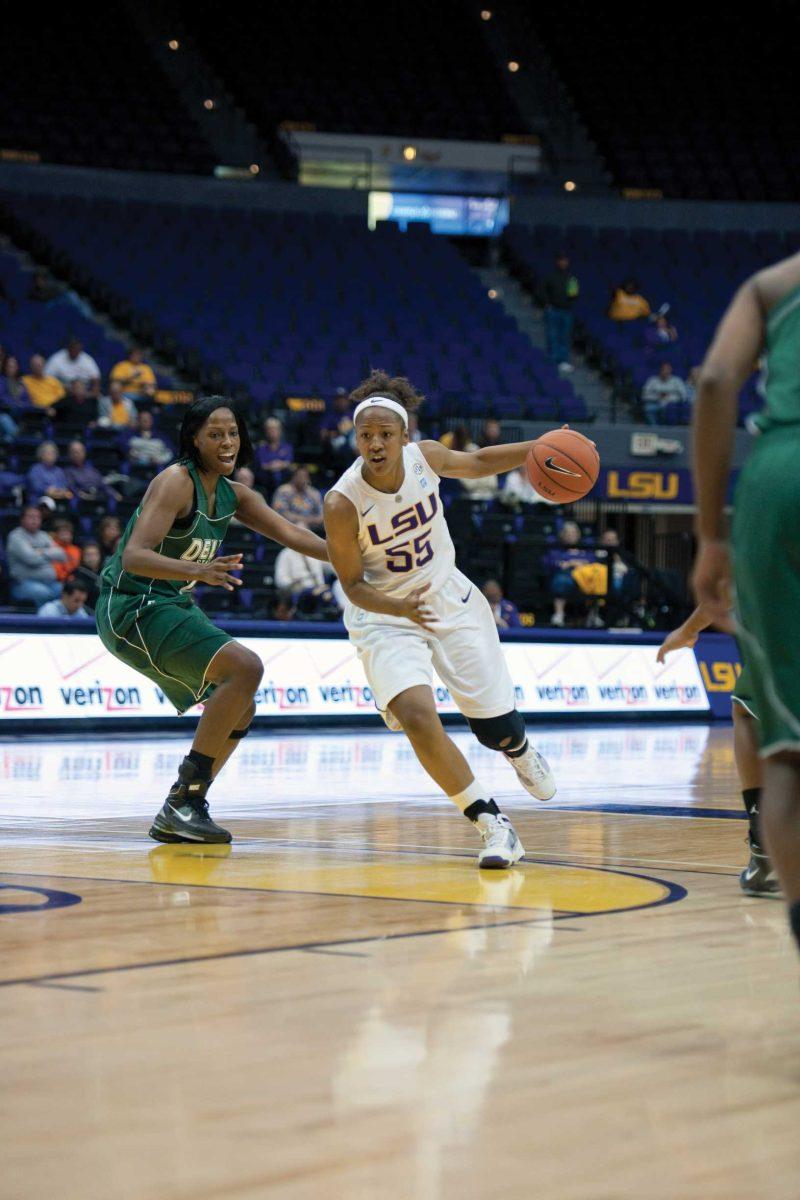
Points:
[(499, 733)]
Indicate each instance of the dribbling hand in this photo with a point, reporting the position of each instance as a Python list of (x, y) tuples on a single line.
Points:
[(218, 572), (415, 608)]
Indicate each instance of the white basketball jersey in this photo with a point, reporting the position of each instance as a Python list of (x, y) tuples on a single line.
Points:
[(403, 536)]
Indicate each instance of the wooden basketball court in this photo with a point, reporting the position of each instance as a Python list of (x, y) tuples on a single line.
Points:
[(342, 1005)]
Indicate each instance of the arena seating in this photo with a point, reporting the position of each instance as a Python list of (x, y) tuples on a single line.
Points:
[(277, 305), (696, 274), (682, 100), (70, 100), (411, 69)]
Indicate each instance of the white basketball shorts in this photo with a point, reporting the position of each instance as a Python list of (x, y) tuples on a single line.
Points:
[(463, 648)]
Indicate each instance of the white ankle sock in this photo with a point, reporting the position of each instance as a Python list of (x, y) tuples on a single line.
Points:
[(475, 791)]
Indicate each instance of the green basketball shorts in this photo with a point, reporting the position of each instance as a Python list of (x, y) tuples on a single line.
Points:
[(171, 642), (742, 693), (766, 546)]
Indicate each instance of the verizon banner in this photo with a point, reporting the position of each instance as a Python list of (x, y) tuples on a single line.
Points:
[(72, 676)]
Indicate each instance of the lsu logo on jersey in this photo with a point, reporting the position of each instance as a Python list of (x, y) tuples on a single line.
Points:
[(200, 550), (406, 521), (413, 552)]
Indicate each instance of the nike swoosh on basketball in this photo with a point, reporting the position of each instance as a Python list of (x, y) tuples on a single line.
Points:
[(366, 510), (552, 466), (464, 599)]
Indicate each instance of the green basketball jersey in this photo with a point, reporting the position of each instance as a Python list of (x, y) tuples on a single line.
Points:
[(196, 538), (782, 406)]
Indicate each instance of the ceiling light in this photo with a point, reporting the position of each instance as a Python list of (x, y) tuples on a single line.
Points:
[(570, 186), (513, 66), (174, 44)]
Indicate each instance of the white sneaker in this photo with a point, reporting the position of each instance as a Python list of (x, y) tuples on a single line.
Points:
[(557, 620), (534, 774), (502, 848)]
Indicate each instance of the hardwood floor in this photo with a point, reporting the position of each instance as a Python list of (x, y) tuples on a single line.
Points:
[(342, 1005)]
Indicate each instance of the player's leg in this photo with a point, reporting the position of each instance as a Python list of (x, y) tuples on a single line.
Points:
[(758, 878), (470, 661), (235, 674), (240, 731), (780, 825), (438, 754)]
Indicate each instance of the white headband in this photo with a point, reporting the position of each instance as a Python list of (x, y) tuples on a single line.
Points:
[(382, 402)]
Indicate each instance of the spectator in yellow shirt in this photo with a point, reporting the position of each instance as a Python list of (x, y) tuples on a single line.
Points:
[(45, 391), (137, 378), (627, 303)]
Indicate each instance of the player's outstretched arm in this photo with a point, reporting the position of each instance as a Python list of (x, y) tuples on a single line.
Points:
[(170, 494), (341, 526), (686, 634), (256, 514), (727, 365), (475, 464)]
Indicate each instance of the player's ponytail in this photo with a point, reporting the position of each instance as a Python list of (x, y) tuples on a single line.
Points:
[(396, 387)]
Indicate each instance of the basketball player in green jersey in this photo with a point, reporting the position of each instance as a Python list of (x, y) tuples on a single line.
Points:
[(147, 618), (758, 878), (764, 315)]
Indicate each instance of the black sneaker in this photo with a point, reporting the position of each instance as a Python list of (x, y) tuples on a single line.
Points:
[(758, 878), (184, 816)]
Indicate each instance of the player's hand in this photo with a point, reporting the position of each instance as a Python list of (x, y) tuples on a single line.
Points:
[(675, 641), (218, 572), (712, 580), (415, 608)]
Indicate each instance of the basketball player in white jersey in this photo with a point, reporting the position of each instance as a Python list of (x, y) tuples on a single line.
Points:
[(409, 609)]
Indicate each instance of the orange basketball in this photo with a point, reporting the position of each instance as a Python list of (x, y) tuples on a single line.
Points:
[(563, 465)]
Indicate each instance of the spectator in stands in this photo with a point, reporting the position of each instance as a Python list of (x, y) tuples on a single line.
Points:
[(91, 557), (627, 302), (46, 478), (83, 478), (660, 390), (692, 380), (71, 603), (414, 434), (283, 608), (43, 289), (519, 491), (45, 390), (491, 433), (109, 531), (74, 363), (660, 334), (299, 502), (79, 406), (146, 448), (624, 584), (244, 475), (88, 572), (477, 489), (116, 410), (31, 555), (560, 563), (342, 407), (62, 533), (304, 579), (12, 385), (560, 291), (13, 399), (274, 456), (506, 614), (138, 380)]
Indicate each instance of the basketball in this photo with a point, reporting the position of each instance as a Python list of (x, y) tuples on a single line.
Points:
[(563, 465)]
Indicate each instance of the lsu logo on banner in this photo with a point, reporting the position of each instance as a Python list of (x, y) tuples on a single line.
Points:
[(643, 485), (720, 676)]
